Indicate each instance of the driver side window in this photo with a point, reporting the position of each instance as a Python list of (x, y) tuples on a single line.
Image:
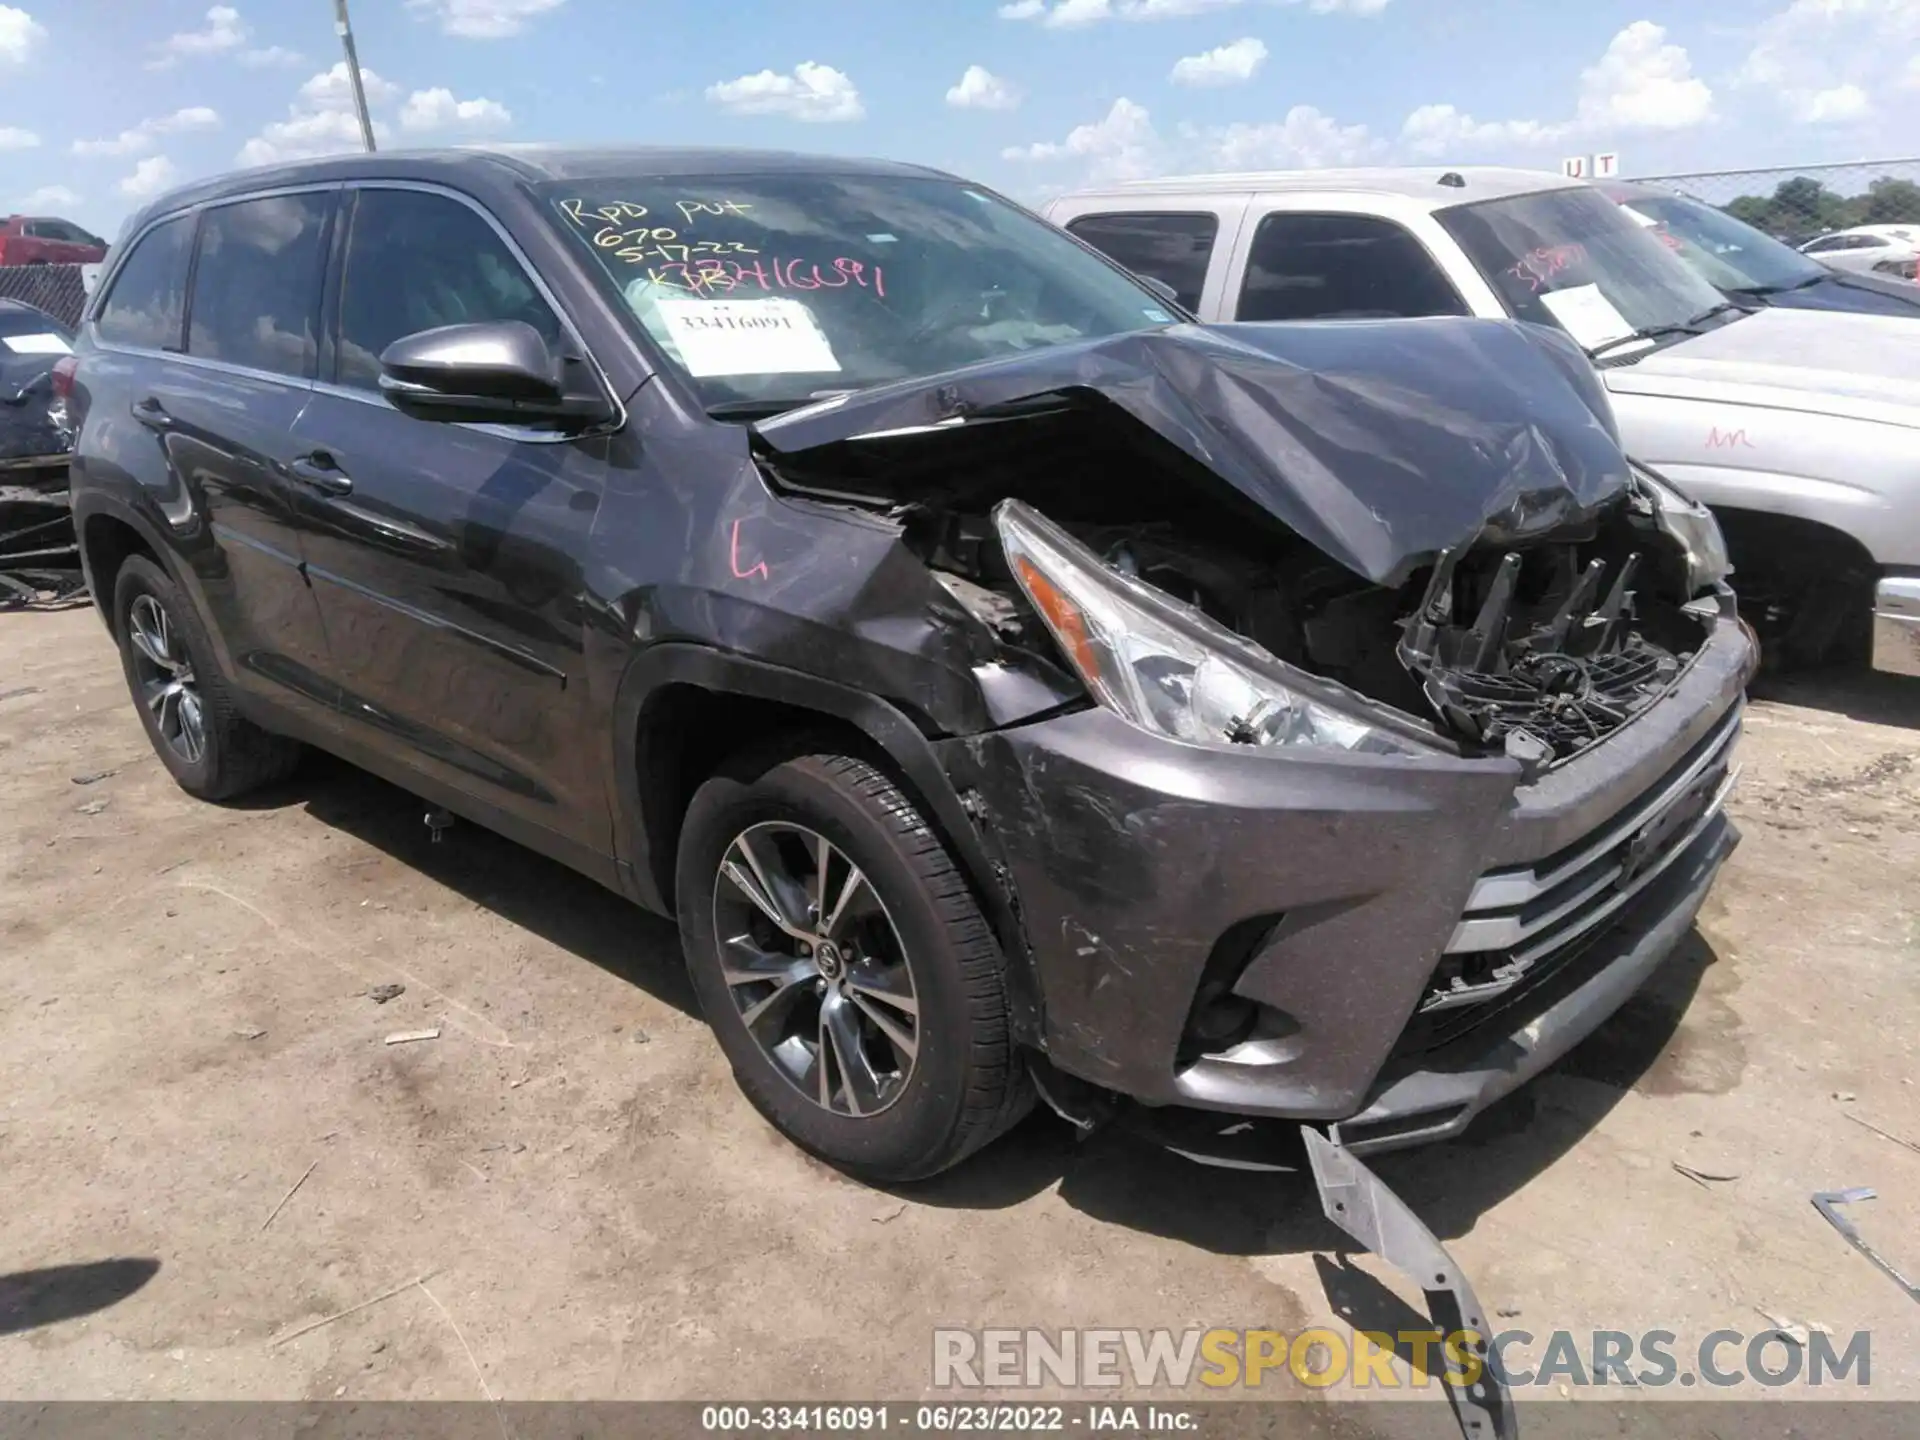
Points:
[(416, 261)]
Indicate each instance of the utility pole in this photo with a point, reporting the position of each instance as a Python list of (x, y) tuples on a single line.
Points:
[(353, 73)]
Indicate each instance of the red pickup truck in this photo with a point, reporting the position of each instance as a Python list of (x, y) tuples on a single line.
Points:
[(42, 240)]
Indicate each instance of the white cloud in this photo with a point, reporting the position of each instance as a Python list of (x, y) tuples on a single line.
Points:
[(19, 34), (321, 119), (484, 19), (149, 177), (272, 55), (1231, 64), (1442, 131), (333, 89), (980, 89), (1306, 139), (48, 197), (1122, 145), (12, 137), (1644, 83), (1835, 106), (222, 32), (1822, 60), (140, 137), (305, 136), (812, 92), (1071, 14), (437, 109)]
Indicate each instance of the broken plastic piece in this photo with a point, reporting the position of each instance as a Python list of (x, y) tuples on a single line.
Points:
[(1354, 1199), (1828, 1203)]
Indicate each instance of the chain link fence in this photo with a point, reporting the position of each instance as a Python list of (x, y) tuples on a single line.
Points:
[(60, 290), (1797, 204)]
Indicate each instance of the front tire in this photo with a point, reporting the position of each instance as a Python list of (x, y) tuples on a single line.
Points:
[(852, 981), (210, 749)]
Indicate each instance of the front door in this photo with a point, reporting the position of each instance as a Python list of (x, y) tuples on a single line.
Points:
[(445, 557)]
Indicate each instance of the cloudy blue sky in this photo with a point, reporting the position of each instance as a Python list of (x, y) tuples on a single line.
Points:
[(106, 102)]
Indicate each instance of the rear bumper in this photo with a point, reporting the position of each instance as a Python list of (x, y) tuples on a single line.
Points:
[(1896, 625), (1345, 901)]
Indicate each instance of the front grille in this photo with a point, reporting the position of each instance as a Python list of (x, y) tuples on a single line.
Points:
[(1524, 924)]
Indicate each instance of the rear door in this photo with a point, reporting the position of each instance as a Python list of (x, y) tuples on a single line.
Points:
[(445, 557), (224, 413), (1300, 264), (1181, 241)]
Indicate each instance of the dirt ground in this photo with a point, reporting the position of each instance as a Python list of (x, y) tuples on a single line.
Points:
[(185, 1031)]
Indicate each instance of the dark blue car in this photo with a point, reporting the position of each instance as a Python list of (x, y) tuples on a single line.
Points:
[(1749, 264)]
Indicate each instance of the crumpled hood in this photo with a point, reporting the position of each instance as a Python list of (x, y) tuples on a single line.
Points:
[(1380, 442), (1823, 361)]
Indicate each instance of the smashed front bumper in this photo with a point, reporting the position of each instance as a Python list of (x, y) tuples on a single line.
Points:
[(1415, 936)]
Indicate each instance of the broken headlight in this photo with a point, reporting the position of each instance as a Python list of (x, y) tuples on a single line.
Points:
[(1166, 667), (1691, 526)]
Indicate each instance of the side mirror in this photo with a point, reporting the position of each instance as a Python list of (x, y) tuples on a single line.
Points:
[(499, 372)]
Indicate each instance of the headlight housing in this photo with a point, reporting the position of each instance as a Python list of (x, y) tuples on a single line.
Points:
[(1691, 526), (1170, 670)]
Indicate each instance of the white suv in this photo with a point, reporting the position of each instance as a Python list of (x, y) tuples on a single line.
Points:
[(1800, 428)]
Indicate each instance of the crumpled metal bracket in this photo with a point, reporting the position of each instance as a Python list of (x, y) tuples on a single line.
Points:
[(1355, 1199), (1828, 1203)]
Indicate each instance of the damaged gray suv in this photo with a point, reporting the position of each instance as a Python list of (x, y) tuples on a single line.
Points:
[(1010, 687)]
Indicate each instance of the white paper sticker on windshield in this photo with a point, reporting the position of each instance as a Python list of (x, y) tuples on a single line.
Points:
[(1589, 317), (747, 337), (43, 343)]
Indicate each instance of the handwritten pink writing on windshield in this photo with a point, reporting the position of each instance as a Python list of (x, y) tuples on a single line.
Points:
[(707, 276), (1539, 268)]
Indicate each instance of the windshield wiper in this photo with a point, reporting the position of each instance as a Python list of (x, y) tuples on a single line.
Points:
[(1657, 332), (753, 409), (1782, 289)]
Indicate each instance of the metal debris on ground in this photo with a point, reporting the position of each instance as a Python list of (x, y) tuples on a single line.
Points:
[(352, 1309), (405, 1037), (1885, 1134), (94, 807), (249, 1033), (889, 1214), (1828, 1203), (381, 994), (1703, 1178), (288, 1196), (19, 693), (1788, 1329), (94, 777)]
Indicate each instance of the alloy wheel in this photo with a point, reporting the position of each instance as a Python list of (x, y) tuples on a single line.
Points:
[(167, 685), (816, 968)]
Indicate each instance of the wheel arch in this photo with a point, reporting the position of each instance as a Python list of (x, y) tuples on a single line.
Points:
[(683, 709), (107, 540)]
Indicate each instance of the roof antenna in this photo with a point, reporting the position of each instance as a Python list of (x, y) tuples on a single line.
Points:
[(1454, 180)]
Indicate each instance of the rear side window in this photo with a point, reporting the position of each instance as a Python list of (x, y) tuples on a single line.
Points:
[(416, 261), (1173, 249), (148, 301), (256, 290), (1341, 267)]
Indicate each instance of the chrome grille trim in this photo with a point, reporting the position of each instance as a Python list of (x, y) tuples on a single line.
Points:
[(1514, 889)]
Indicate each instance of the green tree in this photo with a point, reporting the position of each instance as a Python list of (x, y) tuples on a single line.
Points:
[(1891, 202)]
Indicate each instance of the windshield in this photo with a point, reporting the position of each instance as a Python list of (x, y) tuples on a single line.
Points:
[(1729, 254), (1572, 258), (771, 290)]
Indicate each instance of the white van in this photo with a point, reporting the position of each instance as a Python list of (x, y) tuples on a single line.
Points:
[(1800, 428)]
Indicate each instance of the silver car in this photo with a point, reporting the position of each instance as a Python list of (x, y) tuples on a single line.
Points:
[(1801, 429)]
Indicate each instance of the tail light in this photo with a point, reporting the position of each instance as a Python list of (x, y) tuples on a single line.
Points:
[(1903, 269), (64, 369)]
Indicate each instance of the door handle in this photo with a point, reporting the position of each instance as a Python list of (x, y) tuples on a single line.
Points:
[(322, 472), (152, 414)]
